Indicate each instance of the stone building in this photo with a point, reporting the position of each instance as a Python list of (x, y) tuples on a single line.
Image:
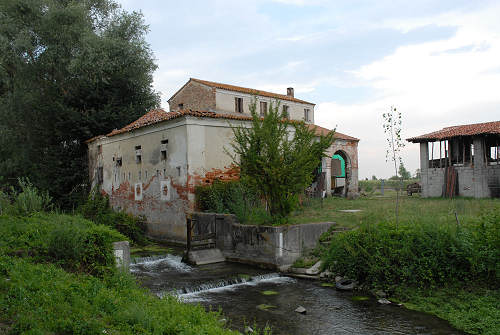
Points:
[(461, 160), (151, 166)]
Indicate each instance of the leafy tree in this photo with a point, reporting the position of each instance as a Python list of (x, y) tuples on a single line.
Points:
[(278, 157), (374, 177), (69, 70), (405, 174)]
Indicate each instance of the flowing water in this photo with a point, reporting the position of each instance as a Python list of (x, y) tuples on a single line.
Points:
[(247, 294)]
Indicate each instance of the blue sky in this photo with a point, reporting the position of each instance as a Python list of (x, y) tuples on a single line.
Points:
[(438, 62)]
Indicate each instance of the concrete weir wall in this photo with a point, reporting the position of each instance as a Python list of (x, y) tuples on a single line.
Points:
[(268, 246)]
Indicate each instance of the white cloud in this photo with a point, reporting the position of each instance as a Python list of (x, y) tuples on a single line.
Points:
[(435, 84)]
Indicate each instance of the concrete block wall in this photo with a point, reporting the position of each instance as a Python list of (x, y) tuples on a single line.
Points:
[(268, 246)]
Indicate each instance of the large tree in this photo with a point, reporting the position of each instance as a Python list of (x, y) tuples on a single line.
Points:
[(69, 70), (278, 157)]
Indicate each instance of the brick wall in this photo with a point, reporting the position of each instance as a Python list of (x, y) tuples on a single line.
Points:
[(194, 96)]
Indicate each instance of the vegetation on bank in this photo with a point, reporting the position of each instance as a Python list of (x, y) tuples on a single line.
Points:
[(428, 262), (58, 275)]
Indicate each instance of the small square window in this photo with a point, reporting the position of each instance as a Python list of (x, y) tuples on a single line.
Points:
[(238, 105), (181, 106)]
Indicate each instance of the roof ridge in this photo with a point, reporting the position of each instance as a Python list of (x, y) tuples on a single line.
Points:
[(236, 88)]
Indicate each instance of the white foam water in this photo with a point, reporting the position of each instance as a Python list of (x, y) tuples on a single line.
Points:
[(140, 264), (193, 294)]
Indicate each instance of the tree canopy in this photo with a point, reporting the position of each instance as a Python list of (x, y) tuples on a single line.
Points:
[(69, 70), (278, 157)]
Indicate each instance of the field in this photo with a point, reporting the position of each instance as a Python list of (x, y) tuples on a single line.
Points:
[(377, 208)]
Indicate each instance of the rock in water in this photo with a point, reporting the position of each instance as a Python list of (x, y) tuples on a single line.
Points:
[(300, 310), (383, 301)]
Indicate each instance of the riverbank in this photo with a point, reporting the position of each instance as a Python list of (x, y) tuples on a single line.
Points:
[(428, 261), (49, 283)]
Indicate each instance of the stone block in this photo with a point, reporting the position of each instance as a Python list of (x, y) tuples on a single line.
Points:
[(122, 255)]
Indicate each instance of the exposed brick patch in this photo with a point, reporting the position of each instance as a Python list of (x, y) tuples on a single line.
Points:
[(193, 96)]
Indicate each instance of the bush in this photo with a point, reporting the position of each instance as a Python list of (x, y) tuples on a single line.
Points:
[(233, 197), (26, 202), (71, 242), (419, 255), (97, 209)]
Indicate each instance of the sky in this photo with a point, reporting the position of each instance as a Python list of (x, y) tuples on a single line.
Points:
[(437, 62)]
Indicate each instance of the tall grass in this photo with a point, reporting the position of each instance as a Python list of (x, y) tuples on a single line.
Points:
[(25, 201)]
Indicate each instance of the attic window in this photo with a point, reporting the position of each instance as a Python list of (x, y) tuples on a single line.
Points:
[(138, 154), (238, 105), (181, 106), (164, 150), (263, 108)]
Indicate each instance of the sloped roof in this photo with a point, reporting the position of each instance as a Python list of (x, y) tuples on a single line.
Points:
[(456, 131), (159, 115), (324, 131), (245, 90)]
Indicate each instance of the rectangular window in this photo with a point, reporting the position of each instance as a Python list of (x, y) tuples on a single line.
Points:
[(138, 154), (164, 150), (181, 106), (119, 161), (285, 113), (238, 105), (307, 115), (263, 108)]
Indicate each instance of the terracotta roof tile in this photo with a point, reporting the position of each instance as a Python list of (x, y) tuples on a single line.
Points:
[(159, 115), (456, 131), (324, 131), (250, 91)]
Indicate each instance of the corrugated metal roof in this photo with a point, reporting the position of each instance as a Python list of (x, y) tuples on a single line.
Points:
[(456, 131)]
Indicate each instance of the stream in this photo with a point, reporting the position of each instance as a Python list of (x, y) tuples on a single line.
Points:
[(247, 294)]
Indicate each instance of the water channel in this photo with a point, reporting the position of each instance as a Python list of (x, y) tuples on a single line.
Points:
[(239, 291)]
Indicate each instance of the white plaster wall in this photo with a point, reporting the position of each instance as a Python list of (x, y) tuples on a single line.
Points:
[(225, 102), (166, 218)]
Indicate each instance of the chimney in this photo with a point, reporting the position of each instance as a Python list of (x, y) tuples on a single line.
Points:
[(289, 91)]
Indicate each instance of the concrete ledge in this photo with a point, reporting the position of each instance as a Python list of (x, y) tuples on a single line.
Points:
[(205, 256)]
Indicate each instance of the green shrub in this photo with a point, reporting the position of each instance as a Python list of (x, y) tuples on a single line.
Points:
[(97, 209), (26, 202), (69, 241), (233, 197), (418, 255), (4, 203)]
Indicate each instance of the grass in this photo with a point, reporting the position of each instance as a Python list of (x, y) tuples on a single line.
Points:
[(376, 208), (473, 309)]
